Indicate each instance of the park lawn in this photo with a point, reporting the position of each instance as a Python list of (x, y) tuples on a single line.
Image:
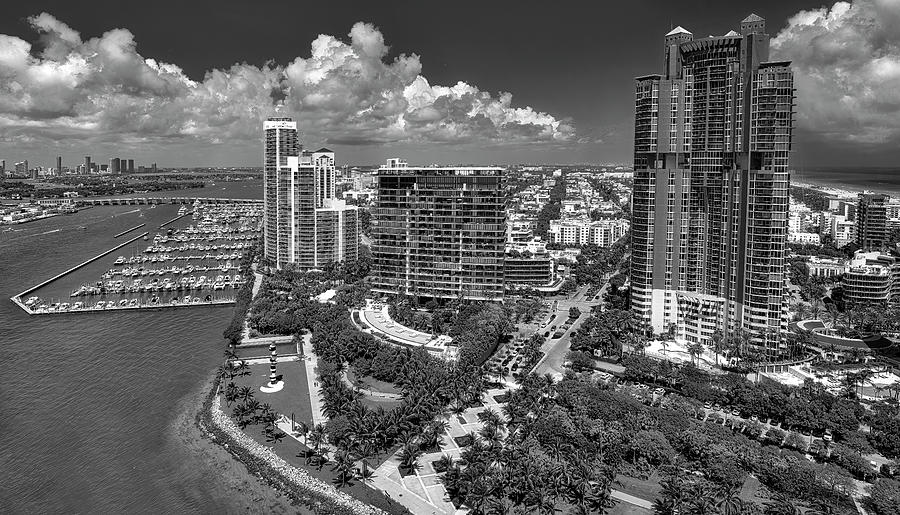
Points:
[(373, 403), (262, 351), (292, 399), (370, 383)]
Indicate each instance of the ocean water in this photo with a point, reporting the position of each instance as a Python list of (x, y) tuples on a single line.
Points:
[(885, 180), (88, 401)]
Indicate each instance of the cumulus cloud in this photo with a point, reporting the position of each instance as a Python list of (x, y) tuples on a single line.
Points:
[(847, 69), (342, 92)]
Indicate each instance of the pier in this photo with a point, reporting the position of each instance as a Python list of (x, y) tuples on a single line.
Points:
[(18, 298), (123, 233), (175, 219), (139, 306)]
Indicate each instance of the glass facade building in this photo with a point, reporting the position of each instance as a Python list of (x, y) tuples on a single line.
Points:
[(439, 232)]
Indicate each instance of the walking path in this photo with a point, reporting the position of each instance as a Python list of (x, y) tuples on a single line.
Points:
[(630, 499), (316, 399)]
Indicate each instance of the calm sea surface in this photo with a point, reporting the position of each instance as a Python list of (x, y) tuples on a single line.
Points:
[(88, 401), (852, 178)]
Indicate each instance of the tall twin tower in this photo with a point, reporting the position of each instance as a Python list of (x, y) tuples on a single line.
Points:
[(712, 139), (305, 225)]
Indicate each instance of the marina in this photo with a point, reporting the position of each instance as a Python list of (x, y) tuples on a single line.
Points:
[(196, 265)]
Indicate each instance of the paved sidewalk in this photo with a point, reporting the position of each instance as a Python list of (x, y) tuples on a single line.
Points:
[(311, 362), (630, 499)]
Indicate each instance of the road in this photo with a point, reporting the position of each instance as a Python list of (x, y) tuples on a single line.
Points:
[(555, 350)]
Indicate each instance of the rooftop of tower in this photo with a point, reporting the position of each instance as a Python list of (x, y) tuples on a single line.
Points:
[(678, 30), (752, 18)]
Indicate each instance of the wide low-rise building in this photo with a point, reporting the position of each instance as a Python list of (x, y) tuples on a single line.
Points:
[(583, 231), (439, 232), (827, 267), (805, 238)]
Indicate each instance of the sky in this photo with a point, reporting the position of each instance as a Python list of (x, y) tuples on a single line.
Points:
[(490, 82)]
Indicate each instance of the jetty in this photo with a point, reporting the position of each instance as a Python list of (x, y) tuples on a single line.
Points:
[(18, 298), (123, 233), (130, 307), (175, 219)]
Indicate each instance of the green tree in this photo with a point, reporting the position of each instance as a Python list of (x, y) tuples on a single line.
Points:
[(885, 497)]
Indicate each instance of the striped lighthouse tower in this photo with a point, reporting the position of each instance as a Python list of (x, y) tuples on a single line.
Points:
[(274, 384), (273, 356)]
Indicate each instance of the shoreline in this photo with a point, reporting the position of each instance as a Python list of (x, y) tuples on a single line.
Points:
[(231, 476), (275, 481)]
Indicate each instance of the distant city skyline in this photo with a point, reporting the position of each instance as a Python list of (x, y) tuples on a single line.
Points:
[(373, 82)]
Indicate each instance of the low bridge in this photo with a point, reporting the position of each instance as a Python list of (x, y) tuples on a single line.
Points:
[(135, 201)]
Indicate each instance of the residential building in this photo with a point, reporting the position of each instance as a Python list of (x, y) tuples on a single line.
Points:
[(115, 165), (842, 231), (59, 165), (583, 231), (304, 224), (528, 270), (871, 221), (130, 166), (872, 278), (712, 142), (804, 237), (439, 232), (825, 267), (87, 164)]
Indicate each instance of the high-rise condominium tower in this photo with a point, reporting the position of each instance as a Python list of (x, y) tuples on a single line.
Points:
[(439, 232), (872, 231), (304, 224), (712, 139)]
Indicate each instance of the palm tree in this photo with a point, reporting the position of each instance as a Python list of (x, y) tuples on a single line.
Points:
[(317, 436), (343, 465), (863, 376), (731, 503), (491, 434), (409, 455), (695, 349), (231, 393), (781, 504), (365, 450), (718, 343), (245, 393)]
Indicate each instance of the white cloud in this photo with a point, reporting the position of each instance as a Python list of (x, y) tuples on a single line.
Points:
[(345, 92), (846, 60)]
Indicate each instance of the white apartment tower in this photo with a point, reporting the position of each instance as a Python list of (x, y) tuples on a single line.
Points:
[(304, 224)]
